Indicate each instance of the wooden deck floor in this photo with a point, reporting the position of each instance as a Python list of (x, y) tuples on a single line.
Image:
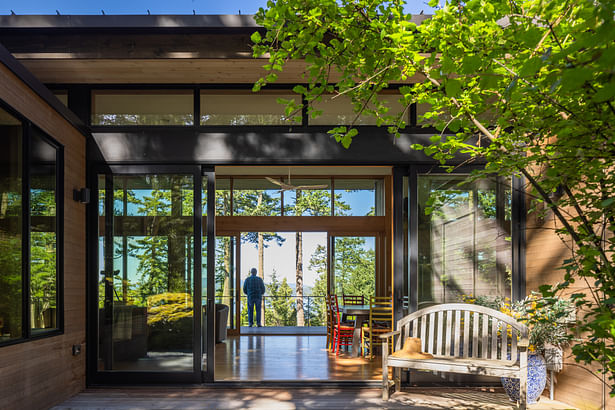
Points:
[(288, 358), (285, 330), (269, 398)]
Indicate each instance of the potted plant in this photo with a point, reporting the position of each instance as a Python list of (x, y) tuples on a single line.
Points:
[(547, 320)]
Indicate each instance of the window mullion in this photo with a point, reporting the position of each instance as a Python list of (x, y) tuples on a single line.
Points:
[(25, 252)]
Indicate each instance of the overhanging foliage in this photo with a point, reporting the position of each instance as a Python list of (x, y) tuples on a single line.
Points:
[(526, 86)]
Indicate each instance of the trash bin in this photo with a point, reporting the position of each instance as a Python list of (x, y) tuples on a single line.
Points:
[(221, 322)]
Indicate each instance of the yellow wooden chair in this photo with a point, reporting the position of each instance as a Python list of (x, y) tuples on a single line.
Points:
[(380, 321)]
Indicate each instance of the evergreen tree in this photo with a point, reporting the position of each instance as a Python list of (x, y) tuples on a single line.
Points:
[(282, 310)]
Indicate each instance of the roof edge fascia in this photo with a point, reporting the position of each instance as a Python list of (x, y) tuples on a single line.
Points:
[(7, 59)]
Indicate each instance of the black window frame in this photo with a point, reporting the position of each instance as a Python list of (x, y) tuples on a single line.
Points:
[(28, 128), (406, 289), (410, 116)]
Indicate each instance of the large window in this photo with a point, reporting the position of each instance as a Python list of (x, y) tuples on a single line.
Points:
[(307, 196), (255, 197), (464, 238), (339, 110), (359, 197), (11, 211), (30, 228), (146, 288), (228, 107), (243, 107), (43, 234), (142, 107)]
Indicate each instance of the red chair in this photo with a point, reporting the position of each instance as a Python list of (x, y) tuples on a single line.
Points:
[(342, 331)]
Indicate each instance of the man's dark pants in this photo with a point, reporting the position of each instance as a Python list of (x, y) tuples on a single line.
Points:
[(254, 302)]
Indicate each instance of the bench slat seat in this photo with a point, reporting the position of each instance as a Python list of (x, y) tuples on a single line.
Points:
[(463, 338), (459, 365)]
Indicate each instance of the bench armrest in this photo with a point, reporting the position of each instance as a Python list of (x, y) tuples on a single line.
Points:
[(388, 334), (523, 342)]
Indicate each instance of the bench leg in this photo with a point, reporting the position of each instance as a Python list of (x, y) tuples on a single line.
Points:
[(397, 378), (523, 382), (385, 383)]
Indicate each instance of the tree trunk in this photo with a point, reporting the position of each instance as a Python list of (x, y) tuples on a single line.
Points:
[(176, 243), (299, 279), (226, 289)]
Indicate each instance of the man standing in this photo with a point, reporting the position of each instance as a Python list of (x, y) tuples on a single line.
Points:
[(254, 287)]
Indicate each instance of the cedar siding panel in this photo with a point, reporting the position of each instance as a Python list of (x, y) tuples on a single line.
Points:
[(40, 373), (148, 71), (544, 255)]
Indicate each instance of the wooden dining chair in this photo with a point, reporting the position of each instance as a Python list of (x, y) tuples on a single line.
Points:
[(342, 331), (380, 321), (351, 300)]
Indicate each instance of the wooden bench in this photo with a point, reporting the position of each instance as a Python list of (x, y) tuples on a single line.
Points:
[(463, 338)]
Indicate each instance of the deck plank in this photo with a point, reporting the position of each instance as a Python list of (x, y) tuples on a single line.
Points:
[(300, 398)]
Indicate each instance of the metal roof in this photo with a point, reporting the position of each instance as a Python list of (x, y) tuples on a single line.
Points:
[(199, 21), (127, 21)]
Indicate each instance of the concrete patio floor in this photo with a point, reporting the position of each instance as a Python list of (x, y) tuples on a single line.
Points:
[(292, 398)]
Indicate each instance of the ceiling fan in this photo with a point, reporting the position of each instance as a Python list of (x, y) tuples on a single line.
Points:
[(288, 186)]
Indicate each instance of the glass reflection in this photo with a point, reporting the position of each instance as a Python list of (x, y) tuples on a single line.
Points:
[(11, 211), (146, 286), (43, 234), (464, 239)]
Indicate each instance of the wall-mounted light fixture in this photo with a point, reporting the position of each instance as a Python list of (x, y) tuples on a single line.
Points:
[(81, 195)]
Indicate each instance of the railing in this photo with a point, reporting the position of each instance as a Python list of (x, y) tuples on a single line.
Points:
[(309, 306)]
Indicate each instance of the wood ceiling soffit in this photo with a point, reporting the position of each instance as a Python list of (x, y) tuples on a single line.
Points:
[(160, 71)]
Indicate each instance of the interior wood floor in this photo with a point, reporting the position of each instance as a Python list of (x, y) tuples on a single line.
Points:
[(277, 398), (288, 358)]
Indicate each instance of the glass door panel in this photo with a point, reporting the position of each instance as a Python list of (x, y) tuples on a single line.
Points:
[(353, 267), (227, 266), (147, 272)]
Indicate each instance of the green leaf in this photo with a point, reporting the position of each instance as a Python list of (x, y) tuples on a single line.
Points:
[(256, 37), (574, 78), (453, 87), (530, 67), (299, 89), (471, 64), (607, 202), (605, 93)]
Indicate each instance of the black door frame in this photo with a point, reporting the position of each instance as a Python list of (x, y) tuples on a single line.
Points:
[(198, 374)]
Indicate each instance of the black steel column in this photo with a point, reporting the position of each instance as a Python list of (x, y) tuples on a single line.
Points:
[(413, 263), (197, 260), (211, 268), (25, 232), (398, 242), (518, 238), (107, 273)]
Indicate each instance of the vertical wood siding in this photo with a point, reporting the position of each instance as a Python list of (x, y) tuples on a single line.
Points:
[(545, 252), (38, 374)]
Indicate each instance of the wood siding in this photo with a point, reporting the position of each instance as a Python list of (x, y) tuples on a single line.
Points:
[(38, 374), (545, 252), (158, 71)]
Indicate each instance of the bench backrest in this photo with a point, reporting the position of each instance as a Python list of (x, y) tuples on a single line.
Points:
[(463, 330)]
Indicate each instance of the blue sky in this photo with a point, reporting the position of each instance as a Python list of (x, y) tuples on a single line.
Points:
[(155, 6)]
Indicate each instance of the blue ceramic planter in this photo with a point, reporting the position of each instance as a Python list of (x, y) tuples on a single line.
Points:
[(536, 380)]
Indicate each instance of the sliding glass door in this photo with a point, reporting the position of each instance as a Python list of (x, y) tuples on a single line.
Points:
[(152, 296)]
